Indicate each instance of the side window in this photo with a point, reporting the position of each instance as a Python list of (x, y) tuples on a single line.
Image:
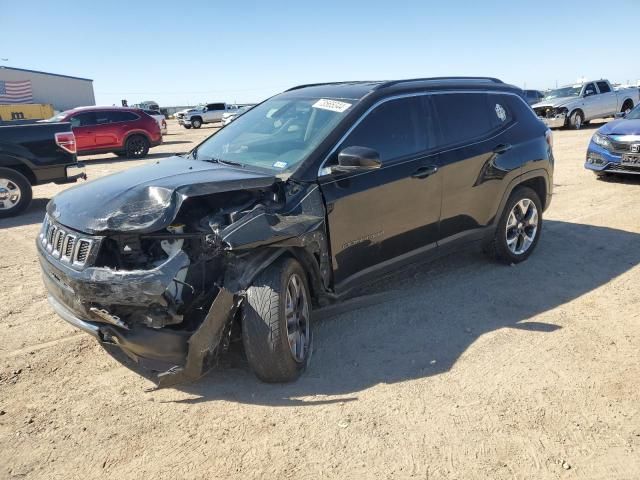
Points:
[(83, 119), (590, 89), (216, 106), (122, 116), (394, 129), (464, 117), (103, 118), (604, 87)]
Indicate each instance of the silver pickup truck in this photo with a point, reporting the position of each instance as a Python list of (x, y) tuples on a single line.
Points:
[(209, 113), (575, 105)]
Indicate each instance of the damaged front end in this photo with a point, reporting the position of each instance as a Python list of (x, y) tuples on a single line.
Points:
[(552, 117), (165, 282)]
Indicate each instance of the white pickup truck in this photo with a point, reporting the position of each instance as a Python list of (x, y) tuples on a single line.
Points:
[(209, 113), (575, 105)]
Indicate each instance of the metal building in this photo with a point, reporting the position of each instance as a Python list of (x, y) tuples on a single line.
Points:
[(18, 85)]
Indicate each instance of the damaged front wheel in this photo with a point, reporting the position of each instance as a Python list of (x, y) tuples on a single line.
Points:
[(276, 323)]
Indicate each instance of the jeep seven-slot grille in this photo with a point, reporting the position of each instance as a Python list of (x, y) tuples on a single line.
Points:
[(66, 246)]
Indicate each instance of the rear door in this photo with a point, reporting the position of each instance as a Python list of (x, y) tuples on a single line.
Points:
[(83, 125), (377, 216), (475, 157)]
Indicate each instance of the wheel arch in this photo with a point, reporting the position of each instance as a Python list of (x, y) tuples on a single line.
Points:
[(134, 133), (538, 180), (625, 101), (15, 163)]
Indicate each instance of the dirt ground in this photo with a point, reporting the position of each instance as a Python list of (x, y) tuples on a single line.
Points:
[(458, 369)]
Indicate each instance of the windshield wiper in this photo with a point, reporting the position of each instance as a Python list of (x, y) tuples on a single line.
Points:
[(223, 162)]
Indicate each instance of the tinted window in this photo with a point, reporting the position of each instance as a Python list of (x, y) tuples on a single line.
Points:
[(394, 129), (83, 119), (122, 116), (463, 117), (216, 106), (604, 87)]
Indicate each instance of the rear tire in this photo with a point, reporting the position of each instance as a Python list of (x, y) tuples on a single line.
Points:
[(137, 146), (518, 229), (627, 107), (15, 192), (276, 329)]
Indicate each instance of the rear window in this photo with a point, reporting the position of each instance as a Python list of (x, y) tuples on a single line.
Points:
[(122, 116), (464, 117), (604, 87)]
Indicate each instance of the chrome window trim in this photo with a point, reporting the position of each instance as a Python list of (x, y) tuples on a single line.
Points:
[(410, 95)]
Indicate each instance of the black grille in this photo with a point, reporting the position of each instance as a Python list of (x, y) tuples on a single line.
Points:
[(68, 249), (623, 147), (83, 251)]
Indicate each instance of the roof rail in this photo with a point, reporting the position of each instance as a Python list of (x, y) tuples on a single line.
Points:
[(395, 82), (297, 87)]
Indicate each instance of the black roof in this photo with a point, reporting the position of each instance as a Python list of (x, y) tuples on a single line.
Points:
[(359, 89), (44, 73)]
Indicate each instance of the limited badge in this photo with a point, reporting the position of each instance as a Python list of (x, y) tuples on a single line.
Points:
[(501, 112)]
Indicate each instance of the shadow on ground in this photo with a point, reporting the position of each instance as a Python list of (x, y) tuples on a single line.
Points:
[(417, 322), (33, 214)]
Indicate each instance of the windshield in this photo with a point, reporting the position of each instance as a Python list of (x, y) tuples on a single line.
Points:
[(573, 91), (277, 134), (633, 114)]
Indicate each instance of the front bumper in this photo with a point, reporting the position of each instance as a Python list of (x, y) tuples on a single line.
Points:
[(556, 121), (75, 295), (601, 160)]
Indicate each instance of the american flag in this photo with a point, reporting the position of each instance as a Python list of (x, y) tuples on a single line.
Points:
[(15, 92)]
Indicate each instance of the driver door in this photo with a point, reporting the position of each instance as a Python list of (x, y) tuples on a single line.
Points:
[(376, 217), (590, 104)]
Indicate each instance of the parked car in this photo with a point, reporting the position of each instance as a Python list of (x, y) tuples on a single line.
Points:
[(291, 206), (230, 116), (34, 154), (127, 132), (159, 117), (575, 105), (533, 96), (210, 113), (615, 147)]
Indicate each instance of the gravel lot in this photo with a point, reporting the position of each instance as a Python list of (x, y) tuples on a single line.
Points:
[(458, 369)]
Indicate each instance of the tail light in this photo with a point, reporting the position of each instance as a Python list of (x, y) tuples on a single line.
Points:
[(549, 136), (66, 141)]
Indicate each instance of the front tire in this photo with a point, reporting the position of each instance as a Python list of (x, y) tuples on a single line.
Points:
[(15, 192), (576, 120), (188, 127), (196, 123), (136, 146), (276, 329), (519, 227)]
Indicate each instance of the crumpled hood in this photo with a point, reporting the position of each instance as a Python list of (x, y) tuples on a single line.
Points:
[(621, 127), (555, 102), (147, 198)]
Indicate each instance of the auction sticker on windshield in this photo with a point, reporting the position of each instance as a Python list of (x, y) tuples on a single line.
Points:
[(333, 105)]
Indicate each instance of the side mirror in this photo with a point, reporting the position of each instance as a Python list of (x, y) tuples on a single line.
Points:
[(353, 159)]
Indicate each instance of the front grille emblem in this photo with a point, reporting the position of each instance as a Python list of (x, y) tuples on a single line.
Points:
[(635, 148)]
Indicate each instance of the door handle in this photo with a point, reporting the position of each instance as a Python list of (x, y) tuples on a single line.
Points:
[(502, 148), (424, 172)]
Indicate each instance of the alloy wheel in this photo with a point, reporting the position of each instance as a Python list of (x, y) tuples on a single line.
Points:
[(10, 194), (522, 226), (297, 317)]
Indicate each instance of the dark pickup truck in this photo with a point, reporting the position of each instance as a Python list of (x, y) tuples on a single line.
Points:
[(34, 154)]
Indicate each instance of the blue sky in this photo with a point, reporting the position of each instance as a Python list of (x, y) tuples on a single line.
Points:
[(186, 52)]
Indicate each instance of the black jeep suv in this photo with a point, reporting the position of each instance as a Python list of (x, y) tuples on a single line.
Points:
[(289, 207)]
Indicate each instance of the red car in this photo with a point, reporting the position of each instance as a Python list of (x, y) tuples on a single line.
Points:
[(128, 132)]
